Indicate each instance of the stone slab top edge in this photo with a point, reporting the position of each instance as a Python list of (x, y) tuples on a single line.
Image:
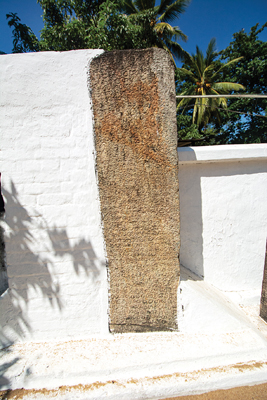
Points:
[(222, 153)]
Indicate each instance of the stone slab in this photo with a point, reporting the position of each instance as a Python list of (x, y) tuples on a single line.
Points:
[(133, 95)]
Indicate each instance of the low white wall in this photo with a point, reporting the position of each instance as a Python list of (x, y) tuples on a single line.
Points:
[(54, 244), (57, 276), (223, 192)]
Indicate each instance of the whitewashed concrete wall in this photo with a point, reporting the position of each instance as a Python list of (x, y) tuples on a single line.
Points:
[(223, 201), (55, 250), (54, 244)]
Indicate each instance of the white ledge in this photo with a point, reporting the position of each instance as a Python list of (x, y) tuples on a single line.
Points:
[(229, 152)]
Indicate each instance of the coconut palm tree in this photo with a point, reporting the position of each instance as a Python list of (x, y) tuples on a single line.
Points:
[(166, 12), (203, 74)]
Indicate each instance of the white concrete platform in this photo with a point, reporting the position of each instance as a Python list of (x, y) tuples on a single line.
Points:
[(220, 345)]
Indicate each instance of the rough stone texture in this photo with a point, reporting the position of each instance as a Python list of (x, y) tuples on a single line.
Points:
[(133, 95), (263, 307)]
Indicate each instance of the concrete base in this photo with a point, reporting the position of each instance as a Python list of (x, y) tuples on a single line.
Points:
[(220, 346)]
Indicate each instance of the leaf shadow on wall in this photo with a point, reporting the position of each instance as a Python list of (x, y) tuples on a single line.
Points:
[(82, 253), (4, 381), (30, 272)]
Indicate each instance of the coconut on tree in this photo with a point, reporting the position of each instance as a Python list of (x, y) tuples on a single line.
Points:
[(202, 75), (162, 15)]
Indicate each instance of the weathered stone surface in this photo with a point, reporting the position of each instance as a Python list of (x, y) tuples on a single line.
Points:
[(263, 307), (134, 106)]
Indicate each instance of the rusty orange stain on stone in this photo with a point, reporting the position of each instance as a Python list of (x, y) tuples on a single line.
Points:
[(139, 125)]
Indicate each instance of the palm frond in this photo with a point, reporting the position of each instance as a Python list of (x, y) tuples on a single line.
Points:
[(220, 101), (143, 5), (211, 52), (226, 87), (213, 104), (195, 67), (166, 11), (129, 7), (171, 32), (184, 101), (203, 73), (207, 72), (216, 74), (175, 48), (202, 107), (223, 102), (189, 74), (179, 34), (163, 6), (165, 47), (195, 110), (199, 61), (169, 12), (187, 58)]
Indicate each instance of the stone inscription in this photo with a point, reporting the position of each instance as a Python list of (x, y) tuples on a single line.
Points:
[(134, 107)]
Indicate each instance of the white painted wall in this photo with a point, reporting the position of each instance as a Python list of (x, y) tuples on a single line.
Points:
[(223, 200), (54, 244)]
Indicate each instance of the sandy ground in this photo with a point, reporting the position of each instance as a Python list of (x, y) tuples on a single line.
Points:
[(226, 346), (258, 392)]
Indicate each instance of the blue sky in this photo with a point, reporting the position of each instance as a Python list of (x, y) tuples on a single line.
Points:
[(202, 20)]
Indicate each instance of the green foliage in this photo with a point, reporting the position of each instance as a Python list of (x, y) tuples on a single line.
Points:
[(202, 75), (166, 36), (189, 134), (81, 24), (186, 129), (251, 72), (24, 38), (128, 32)]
